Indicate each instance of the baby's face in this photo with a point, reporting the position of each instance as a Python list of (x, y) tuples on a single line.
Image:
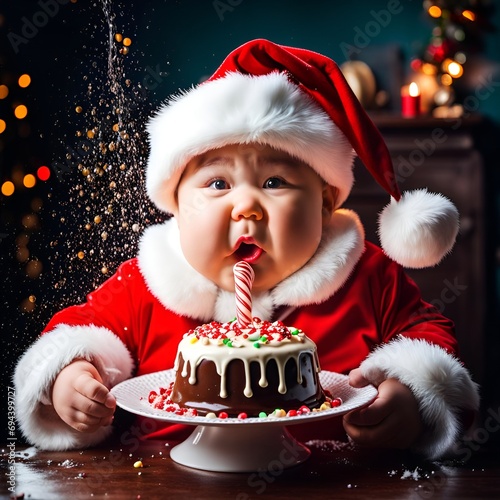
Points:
[(253, 203)]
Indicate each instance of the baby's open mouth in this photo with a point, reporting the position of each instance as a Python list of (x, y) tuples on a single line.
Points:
[(248, 252)]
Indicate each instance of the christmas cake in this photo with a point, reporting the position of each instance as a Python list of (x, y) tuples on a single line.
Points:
[(224, 368)]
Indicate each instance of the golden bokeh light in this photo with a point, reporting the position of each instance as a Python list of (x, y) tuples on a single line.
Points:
[(434, 11), (22, 254), (29, 181), (27, 306), (34, 269), (20, 111), (455, 70), (8, 188), (24, 80), (429, 69), (4, 91), (3, 126), (468, 14), (31, 222), (446, 79)]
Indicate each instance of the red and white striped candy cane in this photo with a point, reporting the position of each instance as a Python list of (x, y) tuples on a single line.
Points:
[(243, 279)]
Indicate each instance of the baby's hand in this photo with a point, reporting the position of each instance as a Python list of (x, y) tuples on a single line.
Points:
[(392, 420), (81, 399)]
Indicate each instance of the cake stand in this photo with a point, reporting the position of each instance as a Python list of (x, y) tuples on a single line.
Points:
[(232, 444)]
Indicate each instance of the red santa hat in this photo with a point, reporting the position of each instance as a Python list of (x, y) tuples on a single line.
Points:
[(297, 101)]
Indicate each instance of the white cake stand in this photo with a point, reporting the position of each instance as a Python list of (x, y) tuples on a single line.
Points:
[(234, 445)]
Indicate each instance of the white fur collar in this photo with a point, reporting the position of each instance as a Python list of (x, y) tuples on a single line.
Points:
[(180, 288)]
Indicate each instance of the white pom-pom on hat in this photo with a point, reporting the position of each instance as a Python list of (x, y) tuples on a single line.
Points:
[(419, 229)]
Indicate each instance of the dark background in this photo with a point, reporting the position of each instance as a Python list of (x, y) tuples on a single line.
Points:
[(175, 44)]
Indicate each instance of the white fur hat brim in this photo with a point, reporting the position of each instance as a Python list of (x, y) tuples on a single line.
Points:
[(240, 109)]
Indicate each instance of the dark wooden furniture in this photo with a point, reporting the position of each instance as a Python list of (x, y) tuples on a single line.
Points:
[(108, 472), (439, 154)]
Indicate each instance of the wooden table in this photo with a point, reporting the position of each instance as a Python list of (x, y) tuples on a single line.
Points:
[(332, 471)]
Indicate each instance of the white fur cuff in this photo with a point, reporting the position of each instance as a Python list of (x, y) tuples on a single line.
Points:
[(39, 366), (441, 385)]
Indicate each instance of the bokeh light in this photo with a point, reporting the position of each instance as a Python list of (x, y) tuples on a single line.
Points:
[(43, 173), (468, 14), (455, 69), (24, 81), (434, 11), (20, 111), (34, 269), (8, 188), (29, 181)]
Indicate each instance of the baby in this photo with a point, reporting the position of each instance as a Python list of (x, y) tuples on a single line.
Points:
[(254, 165)]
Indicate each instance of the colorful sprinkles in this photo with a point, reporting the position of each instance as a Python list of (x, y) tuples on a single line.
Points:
[(161, 401), (231, 334)]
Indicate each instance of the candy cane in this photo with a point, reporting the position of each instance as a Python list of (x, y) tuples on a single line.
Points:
[(243, 279)]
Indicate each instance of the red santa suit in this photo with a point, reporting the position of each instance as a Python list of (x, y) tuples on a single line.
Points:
[(356, 304)]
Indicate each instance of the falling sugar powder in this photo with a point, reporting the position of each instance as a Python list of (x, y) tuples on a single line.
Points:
[(330, 445), (68, 463), (408, 474), (100, 205)]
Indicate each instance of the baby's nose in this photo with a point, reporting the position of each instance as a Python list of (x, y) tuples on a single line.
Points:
[(247, 205)]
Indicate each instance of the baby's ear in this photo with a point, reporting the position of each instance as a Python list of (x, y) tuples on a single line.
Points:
[(329, 201)]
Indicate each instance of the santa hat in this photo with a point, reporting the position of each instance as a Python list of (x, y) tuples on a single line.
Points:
[(299, 102)]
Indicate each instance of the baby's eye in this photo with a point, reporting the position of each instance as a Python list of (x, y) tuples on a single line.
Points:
[(274, 183), (218, 184)]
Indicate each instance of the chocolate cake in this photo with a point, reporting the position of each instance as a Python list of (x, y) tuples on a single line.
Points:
[(222, 368)]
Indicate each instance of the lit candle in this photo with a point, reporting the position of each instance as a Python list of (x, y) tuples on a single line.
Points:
[(243, 279), (410, 101)]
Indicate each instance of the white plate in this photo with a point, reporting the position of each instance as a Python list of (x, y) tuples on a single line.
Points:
[(132, 395), (232, 444)]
